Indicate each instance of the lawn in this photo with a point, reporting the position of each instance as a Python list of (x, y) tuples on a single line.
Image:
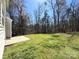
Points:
[(45, 46)]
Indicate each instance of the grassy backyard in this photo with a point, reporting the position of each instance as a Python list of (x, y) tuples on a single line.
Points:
[(45, 46)]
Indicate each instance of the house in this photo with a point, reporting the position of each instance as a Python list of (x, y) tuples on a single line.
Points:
[(5, 25)]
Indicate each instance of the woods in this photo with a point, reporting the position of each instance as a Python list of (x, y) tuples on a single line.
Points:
[(53, 16)]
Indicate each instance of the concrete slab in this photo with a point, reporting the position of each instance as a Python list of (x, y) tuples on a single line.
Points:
[(15, 40)]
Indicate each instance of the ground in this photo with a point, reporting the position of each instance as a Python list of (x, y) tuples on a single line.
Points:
[(14, 40), (45, 46)]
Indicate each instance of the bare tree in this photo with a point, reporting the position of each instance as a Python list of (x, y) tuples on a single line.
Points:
[(56, 7), (19, 16), (37, 14)]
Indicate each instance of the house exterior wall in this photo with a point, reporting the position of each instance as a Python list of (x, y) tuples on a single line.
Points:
[(2, 41), (8, 21), (3, 29), (8, 27)]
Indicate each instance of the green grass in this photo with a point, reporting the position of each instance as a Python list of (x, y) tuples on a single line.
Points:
[(45, 46)]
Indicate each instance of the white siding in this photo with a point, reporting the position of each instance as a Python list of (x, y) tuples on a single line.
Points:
[(2, 28), (2, 42), (3, 19), (8, 27)]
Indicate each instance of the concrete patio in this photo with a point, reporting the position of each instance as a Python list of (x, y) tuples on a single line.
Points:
[(14, 40)]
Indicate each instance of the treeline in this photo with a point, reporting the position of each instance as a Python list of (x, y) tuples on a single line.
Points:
[(51, 17)]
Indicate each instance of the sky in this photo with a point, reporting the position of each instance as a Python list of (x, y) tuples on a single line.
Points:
[(32, 5)]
